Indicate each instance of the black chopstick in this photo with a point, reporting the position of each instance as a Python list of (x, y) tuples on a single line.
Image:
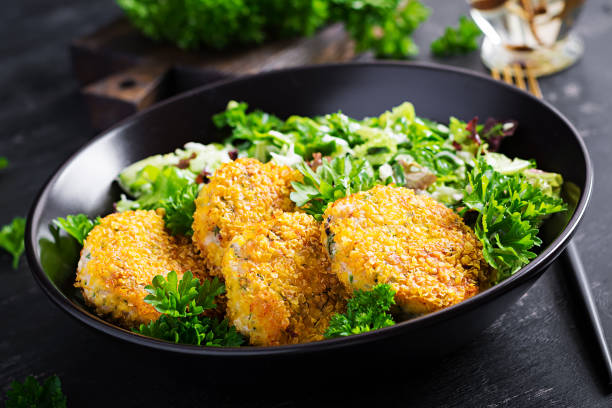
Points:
[(584, 289)]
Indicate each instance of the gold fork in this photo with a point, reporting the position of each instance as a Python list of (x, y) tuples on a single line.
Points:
[(516, 75), (577, 271)]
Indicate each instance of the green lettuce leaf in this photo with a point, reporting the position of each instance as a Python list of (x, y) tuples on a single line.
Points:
[(163, 184)]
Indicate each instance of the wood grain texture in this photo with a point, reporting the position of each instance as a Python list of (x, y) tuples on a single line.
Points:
[(536, 355), (126, 92), (116, 55), (118, 44)]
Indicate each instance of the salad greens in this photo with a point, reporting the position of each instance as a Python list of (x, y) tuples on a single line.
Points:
[(456, 41), (171, 182), (510, 210), (31, 393), (78, 225), (457, 164), (181, 304), (195, 158), (505, 200), (156, 178), (162, 183), (264, 136), (11, 239), (179, 210), (365, 311), (331, 181), (384, 26)]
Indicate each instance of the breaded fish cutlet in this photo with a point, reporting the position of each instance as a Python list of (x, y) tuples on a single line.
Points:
[(122, 255), (240, 193), (280, 288), (417, 245)]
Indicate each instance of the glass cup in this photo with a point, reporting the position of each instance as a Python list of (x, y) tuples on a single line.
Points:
[(534, 33)]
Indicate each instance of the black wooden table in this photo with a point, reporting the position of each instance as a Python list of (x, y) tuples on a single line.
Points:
[(538, 354)]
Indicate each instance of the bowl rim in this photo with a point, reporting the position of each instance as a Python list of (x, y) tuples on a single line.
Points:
[(526, 273)]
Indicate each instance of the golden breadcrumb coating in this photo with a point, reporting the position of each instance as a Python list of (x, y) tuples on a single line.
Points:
[(122, 255), (240, 193), (280, 288), (412, 242)]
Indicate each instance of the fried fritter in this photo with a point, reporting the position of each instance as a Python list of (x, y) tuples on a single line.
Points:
[(280, 288), (122, 255), (417, 245), (240, 193)]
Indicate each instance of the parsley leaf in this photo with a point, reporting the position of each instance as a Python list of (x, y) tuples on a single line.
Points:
[(185, 298), (456, 41), (199, 331), (246, 126), (510, 211), (180, 209), (78, 225), (181, 304), (331, 181), (31, 394), (365, 311), (219, 24), (261, 135), (3, 162), (383, 26), (11, 239)]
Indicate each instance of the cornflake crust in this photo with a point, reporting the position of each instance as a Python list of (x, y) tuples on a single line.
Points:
[(122, 255), (280, 287), (240, 193), (417, 245)]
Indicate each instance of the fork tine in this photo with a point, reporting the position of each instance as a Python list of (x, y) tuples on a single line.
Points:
[(534, 88), (519, 76), (507, 75), (495, 74)]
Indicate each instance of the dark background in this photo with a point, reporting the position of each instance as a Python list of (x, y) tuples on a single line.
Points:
[(539, 353)]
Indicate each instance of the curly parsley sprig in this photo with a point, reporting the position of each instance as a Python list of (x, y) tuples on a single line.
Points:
[(457, 41), (181, 304), (331, 181), (510, 211), (179, 209), (384, 26), (31, 393), (365, 311)]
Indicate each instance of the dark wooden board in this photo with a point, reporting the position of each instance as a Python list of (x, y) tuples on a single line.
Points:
[(122, 72)]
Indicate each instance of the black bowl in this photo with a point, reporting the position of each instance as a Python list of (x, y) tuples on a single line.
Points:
[(85, 182)]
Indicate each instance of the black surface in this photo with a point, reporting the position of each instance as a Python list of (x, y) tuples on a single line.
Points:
[(537, 354), (584, 289), (84, 183)]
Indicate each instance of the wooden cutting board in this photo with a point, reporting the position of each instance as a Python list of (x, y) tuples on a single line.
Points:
[(121, 72)]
